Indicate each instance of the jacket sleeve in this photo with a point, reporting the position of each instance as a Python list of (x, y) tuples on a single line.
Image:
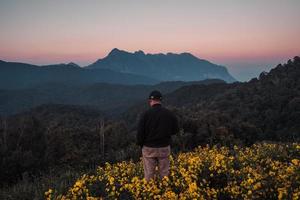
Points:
[(175, 126), (141, 131)]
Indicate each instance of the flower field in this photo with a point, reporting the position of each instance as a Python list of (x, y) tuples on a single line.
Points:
[(262, 171)]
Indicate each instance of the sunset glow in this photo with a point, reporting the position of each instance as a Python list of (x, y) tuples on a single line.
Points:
[(231, 33)]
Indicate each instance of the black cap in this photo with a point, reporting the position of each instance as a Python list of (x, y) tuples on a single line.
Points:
[(155, 95)]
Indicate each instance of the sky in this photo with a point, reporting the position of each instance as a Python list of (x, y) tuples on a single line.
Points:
[(246, 36)]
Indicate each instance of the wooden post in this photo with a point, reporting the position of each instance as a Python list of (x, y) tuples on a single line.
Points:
[(101, 126)]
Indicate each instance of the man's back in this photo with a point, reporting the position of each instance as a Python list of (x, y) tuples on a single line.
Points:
[(156, 127)]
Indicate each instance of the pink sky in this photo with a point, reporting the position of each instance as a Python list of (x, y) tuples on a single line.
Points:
[(246, 36)]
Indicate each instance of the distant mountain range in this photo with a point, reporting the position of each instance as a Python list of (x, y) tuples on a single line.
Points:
[(119, 67), (164, 67)]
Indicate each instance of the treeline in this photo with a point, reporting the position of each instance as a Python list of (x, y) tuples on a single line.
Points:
[(59, 137)]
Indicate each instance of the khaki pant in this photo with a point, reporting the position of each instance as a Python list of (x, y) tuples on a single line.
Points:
[(153, 157)]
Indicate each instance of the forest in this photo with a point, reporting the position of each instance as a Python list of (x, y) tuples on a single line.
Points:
[(50, 145)]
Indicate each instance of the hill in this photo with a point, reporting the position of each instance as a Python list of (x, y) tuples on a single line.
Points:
[(266, 108), (23, 76), (111, 98), (164, 67)]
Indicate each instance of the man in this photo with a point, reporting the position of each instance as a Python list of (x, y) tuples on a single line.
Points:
[(155, 128)]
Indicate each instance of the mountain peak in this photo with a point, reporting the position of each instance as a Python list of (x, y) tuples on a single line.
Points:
[(73, 64), (116, 51), (140, 52), (187, 54)]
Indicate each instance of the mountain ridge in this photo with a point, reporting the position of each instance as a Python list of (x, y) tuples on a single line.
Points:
[(169, 66)]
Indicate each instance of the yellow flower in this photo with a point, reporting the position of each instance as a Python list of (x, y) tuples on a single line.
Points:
[(250, 181), (257, 186), (295, 162), (252, 172)]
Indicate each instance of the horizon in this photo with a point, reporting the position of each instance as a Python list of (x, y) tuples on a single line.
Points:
[(240, 35)]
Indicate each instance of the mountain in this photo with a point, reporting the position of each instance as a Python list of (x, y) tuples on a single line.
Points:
[(112, 98), (20, 75), (165, 67)]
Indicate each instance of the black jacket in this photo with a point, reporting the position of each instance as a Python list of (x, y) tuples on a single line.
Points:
[(156, 126)]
